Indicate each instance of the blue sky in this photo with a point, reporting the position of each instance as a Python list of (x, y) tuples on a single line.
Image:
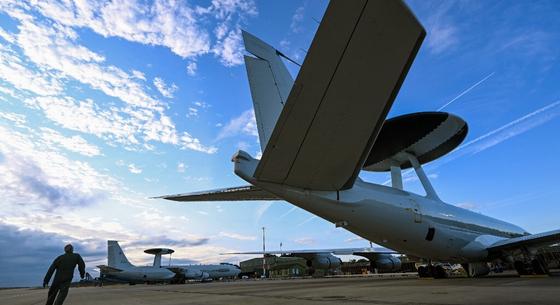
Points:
[(105, 104)]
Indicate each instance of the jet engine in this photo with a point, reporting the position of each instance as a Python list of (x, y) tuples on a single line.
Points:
[(386, 263), (195, 274), (324, 261)]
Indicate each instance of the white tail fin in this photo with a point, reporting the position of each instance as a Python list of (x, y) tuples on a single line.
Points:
[(115, 255), (270, 84)]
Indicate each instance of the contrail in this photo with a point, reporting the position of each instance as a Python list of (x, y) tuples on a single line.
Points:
[(514, 128), (498, 135), (466, 91), (307, 220), (289, 212)]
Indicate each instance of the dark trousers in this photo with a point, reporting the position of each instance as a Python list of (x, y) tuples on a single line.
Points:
[(58, 291)]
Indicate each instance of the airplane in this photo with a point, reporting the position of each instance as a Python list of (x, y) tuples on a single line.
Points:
[(119, 269), (318, 132), (381, 259), (202, 272)]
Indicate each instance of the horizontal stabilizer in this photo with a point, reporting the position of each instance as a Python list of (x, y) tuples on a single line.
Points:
[(240, 193), (527, 241), (340, 251), (351, 75)]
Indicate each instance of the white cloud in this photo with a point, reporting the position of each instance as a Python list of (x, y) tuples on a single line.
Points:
[(237, 236), (35, 173), (16, 118), (74, 143), (229, 49), (441, 37), (243, 124), (305, 241), (7, 36), (192, 112), (171, 24), (15, 71), (134, 169), (297, 18), (442, 33), (191, 68), (138, 74), (468, 205), (354, 239), (164, 89), (181, 167)]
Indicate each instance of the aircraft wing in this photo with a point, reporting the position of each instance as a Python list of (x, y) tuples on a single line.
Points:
[(351, 75), (240, 193), (539, 240), (341, 251)]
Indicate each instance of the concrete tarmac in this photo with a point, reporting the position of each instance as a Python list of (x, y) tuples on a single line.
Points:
[(354, 290)]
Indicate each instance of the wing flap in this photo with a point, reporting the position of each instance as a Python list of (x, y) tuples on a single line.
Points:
[(346, 86), (534, 240), (240, 193)]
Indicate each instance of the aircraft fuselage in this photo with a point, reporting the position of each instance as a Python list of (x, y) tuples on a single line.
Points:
[(396, 219)]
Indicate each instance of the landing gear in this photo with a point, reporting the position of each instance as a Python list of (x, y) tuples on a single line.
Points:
[(437, 272), (534, 267)]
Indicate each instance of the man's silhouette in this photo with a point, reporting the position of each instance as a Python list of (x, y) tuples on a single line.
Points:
[(64, 266)]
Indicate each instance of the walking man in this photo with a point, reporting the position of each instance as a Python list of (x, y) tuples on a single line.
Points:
[(64, 266)]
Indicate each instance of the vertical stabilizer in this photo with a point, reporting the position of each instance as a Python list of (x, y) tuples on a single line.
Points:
[(270, 84), (115, 255)]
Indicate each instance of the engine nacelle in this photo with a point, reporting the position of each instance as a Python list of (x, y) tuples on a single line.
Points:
[(324, 261), (195, 274), (476, 269), (386, 263)]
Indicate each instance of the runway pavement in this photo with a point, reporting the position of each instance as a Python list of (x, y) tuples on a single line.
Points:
[(494, 290)]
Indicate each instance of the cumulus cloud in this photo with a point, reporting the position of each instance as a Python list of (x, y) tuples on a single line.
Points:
[(243, 124), (297, 18), (130, 127), (191, 68), (73, 143), (16, 118), (37, 175), (15, 71), (237, 236), (172, 24), (164, 89), (140, 118), (229, 49), (181, 167), (134, 169)]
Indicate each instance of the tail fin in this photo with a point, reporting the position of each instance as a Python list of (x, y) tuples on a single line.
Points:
[(270, 84), (115, 255)]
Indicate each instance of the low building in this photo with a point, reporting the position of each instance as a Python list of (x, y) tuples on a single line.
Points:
[(276, 266)]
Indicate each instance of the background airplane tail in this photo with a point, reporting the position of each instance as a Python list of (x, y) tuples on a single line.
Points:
[(270, 84), (115, 255)]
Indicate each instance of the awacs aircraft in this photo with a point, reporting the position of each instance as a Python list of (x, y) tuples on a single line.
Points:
[(380, 259), (195, 272), (319, 132), (121, 270)]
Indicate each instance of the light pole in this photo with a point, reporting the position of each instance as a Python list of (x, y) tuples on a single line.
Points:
[(264, 256)]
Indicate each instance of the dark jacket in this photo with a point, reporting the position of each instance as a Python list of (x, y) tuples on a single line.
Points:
[(64, 266)]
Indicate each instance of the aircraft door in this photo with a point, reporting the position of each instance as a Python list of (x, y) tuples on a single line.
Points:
[(416, 212)]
